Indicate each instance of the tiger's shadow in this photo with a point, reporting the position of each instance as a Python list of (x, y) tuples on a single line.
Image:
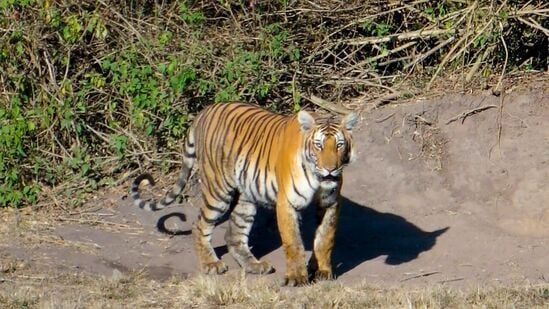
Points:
[(363, 234)]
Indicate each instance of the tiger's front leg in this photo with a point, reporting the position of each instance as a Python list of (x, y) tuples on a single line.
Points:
[(321, 260), (288, 226)]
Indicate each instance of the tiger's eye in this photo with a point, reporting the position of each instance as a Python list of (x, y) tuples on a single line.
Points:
[(318, 144)]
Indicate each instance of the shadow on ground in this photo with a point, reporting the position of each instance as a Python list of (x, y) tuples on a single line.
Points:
[(161, 224), (363, 234)]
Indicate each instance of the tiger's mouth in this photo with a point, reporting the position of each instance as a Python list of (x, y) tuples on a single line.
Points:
[(329, 182), (330, 177)]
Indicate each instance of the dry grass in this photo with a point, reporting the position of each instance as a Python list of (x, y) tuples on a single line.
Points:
[(20, 290)]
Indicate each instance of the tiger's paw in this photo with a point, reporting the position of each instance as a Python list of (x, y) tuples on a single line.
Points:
[(295, 279), (322, 275), (213, 268), (260, 268)]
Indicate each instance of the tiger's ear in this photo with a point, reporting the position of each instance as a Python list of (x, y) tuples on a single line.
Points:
[(306, 121), (349, 121)]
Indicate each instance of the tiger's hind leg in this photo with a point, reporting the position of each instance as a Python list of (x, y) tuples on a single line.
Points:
[(240, 223), (210, 213)]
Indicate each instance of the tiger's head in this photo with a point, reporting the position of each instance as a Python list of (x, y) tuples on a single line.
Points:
[(328, 144)]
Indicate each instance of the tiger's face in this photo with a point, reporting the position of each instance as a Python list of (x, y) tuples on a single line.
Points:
[(328, 145)]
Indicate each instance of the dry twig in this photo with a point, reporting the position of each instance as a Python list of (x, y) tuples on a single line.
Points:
[(327, 105), (466, 114), (424, 34), (421, 275)]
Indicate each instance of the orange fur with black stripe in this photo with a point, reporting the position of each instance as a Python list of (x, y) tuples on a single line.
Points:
[(248, 157)]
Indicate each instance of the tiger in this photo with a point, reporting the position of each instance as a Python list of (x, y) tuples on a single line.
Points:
[(250, 157)]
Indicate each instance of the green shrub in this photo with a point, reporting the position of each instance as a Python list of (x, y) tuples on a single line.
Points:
[(92, 89)]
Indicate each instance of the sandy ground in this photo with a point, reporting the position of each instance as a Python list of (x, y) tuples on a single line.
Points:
[(429, 201)]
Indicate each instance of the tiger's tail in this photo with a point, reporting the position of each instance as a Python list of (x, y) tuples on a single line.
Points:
[(189, 157)]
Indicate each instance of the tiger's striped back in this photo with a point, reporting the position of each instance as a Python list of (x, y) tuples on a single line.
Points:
[(238, 151)]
